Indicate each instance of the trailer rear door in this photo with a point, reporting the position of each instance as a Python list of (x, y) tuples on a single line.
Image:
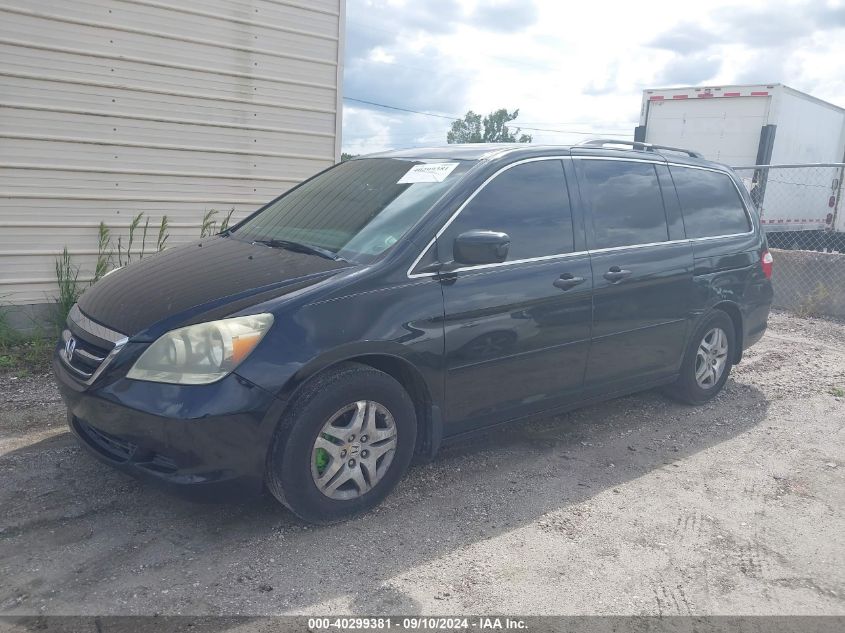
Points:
[(724, 129)]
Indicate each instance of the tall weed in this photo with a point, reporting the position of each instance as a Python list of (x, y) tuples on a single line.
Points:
[(105, 254), (163, 234), (209, 225), (67, 276)]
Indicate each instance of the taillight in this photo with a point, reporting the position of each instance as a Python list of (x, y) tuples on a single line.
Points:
[(766, 261)]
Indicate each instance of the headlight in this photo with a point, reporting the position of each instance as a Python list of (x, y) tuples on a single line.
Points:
[(201, 353)]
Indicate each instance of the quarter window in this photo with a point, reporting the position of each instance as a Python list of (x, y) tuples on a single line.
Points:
[(710, 203), (624, 201), (529, 202)]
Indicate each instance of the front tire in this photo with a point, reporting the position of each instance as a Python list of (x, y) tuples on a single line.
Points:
[(707, 361), (343, 444)]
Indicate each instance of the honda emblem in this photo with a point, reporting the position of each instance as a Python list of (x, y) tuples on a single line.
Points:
[(70, 348)]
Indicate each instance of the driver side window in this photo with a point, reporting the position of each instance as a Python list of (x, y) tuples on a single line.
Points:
[(529, 202)]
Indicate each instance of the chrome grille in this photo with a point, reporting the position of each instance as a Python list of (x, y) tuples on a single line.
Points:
[(87, 346), (82, 357)]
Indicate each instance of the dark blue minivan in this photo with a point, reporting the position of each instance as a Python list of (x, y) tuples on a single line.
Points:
[(403, 299)]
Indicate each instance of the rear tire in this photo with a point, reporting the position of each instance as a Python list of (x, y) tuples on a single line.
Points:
[(342, 445), (707, 361)]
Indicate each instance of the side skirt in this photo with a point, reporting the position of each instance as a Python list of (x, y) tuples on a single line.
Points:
[(576, 404)]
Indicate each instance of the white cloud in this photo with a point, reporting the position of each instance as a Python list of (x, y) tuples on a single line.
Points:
[(578, 67)]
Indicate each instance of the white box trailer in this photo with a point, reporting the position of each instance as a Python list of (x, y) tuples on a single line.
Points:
[(767, 124)]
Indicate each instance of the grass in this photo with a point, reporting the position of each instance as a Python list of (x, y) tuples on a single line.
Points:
[(133, 226), (105, 254), (163, 234), (224, 225), (30, 356), (7, 334), (839, 392), (23, 355), (812, 303), (209, 225), (67, 277)]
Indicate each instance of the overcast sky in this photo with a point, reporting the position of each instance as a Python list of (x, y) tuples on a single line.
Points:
[(577, 67)]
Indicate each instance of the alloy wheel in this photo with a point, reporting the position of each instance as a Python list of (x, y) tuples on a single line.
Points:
[(353, 450), (711, 358)]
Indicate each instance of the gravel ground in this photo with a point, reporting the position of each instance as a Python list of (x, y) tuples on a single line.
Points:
[(636, 506)]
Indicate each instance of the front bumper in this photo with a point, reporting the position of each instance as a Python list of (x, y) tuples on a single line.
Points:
[(206, 439)]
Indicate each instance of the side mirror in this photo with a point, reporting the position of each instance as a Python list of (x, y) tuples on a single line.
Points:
[(475, 248)]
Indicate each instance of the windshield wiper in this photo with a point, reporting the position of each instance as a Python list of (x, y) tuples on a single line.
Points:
[(299, 247)]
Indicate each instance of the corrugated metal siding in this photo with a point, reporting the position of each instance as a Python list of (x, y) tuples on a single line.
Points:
[(113, 107)]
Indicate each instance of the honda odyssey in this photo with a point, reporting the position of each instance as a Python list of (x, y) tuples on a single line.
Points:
[(400, 300)]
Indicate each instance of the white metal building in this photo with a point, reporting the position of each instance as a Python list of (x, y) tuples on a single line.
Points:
[(113, 107)]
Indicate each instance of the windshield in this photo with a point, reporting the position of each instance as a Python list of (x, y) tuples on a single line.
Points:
[(356, 210)]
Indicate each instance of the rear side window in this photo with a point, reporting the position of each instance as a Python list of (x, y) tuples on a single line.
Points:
[(710, 203), (624, 201), (530, 203)]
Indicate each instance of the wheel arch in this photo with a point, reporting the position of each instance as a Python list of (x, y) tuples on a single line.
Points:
[(401, 369), (429, 427)]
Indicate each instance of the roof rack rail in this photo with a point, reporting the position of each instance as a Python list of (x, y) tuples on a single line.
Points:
[(648, 147)]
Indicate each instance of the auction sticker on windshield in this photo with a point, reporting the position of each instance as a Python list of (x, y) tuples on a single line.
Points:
[(430, 172)]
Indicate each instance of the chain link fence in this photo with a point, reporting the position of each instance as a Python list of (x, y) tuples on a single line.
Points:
[(802, 211)]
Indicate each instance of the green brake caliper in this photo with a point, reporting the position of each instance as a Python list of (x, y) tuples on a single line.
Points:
[(321, 456)]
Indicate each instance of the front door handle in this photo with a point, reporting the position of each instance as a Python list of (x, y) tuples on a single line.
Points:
[(616, 274), (567, 281)]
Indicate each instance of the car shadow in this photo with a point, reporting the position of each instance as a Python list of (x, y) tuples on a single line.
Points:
[(79, 537)]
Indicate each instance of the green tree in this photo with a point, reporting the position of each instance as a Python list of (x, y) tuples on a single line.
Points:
[(491, 129), (347, 156)]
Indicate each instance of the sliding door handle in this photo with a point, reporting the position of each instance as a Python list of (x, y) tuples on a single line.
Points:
[(616, 274)]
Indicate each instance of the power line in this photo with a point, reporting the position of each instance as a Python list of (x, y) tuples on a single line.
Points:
[(594, 133), (390, 107), (455, 117)]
